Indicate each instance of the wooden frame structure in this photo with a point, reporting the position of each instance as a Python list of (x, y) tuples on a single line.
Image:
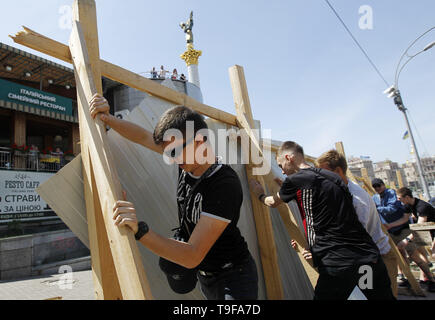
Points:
[(117, 270)]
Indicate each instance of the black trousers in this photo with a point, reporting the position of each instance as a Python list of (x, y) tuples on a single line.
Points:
[(337, 283), (238, 283)]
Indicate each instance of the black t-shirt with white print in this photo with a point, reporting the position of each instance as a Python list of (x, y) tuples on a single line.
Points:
[(218, 196), (422, 209), (335, 236)]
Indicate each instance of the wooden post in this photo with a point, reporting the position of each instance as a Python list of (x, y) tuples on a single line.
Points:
[(19, 138), (19, 128), (126, 257), (404, 266), (367, 182), (263, 222), (340, 149), (399, 179), (75, 138), (106, 283), (365, 174)]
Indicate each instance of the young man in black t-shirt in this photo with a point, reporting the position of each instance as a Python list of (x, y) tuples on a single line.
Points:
[(208, 243), (341, 248), (423, 212)]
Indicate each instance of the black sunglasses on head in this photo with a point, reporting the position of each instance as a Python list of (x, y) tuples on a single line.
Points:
[(376, 186)]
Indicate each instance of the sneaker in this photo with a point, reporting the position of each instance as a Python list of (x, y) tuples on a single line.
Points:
[(431, 287), (403, 283)]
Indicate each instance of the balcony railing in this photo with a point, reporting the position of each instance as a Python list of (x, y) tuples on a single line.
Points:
[(30, 161)]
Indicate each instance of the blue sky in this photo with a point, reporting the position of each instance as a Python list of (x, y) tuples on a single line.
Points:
[(307, 80)]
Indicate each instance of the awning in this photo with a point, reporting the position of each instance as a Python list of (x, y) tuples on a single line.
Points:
[(38, 112)]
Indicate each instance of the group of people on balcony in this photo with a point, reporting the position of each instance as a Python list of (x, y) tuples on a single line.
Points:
[(30, 158), (162, 74)]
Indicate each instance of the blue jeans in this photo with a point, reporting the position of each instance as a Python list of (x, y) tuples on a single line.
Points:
[(237, 283)]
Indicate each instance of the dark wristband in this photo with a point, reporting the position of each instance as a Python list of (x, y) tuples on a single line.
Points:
[(261, 196), (142, 230)]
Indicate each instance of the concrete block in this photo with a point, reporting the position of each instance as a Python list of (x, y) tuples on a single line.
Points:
[(66, 248), (14, 259), (79, 264), (49, 237), (17, 273), (15, 243)]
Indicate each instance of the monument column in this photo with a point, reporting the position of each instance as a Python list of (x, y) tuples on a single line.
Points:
[(191, 56)]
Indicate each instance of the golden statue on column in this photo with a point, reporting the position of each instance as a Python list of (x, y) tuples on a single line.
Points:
[(191, 56)]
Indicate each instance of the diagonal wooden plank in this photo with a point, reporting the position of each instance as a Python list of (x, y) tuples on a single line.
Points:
[(128, 264), (245, 120), (106, 283), (261, 213)]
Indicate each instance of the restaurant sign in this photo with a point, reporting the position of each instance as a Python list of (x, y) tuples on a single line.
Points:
[(18, 197), (16, 93)]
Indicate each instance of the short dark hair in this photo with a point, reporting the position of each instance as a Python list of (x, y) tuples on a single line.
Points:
[(334, 160), (290, 146), (403, 192), (377, 181), (177, 118)]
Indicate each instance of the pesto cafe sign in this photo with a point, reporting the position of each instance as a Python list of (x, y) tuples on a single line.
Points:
[(18, 196), (16, 93)]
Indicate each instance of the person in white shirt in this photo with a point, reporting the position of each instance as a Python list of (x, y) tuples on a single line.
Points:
[(163, 72), (366, 210)]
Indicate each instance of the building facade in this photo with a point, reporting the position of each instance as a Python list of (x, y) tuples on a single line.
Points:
[(391, 173), (428, 164), (39, 134), (356, 164)]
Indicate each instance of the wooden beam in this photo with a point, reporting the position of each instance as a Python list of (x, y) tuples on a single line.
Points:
[(287, 216), (367, 182), (127, 259), (340, 149), (245, 120), (404, 266), (425, 226), (36, 41), (106, 283), (263, 222)]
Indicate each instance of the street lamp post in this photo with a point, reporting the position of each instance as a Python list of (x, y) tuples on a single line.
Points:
[(394, 92)]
